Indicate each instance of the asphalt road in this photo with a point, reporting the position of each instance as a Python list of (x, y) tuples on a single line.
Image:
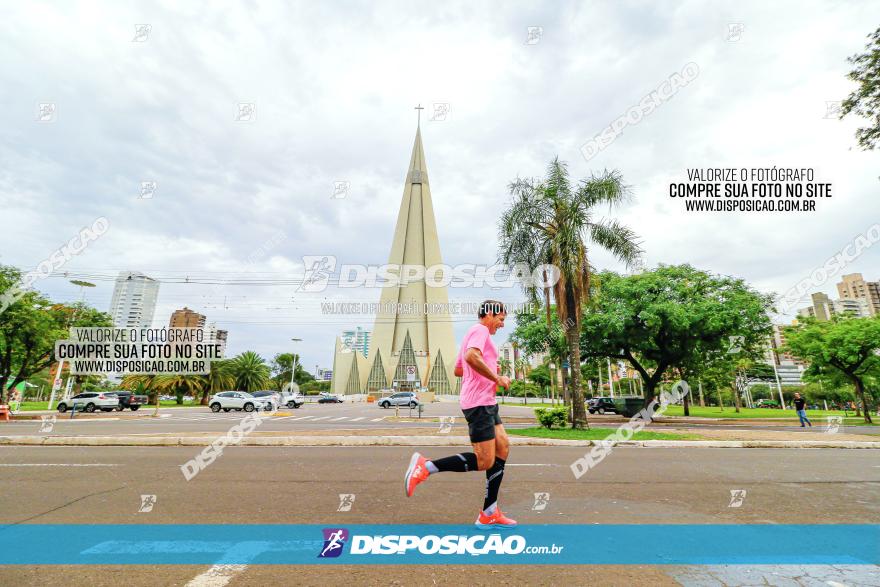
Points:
[(302, 485), (346, 416)]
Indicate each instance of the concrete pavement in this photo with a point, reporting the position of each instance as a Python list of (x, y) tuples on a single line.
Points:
[(302, 485)]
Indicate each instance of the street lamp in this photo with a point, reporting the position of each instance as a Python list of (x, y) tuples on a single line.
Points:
[(293, 362)]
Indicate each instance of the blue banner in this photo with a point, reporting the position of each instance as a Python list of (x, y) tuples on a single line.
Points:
[(257, 544)]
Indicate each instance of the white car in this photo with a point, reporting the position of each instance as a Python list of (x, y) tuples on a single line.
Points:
[(89, 402), (237, 400)]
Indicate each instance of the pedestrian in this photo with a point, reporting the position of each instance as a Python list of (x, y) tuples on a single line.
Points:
[(800, 405), (477, 365)]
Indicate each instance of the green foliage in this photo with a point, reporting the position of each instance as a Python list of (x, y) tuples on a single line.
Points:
[(540, 376), (250, 371), (864, 101), (843, 345), (314, 386), (550, 417), (675, 316), (29, 328)]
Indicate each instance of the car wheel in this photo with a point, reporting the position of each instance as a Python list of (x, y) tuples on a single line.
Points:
[(291, 404), (62, 408), (413, 404), (90, 407), (601, 410), (249, 407), (297, 406), (384, 405), (134, 408), (215, 407), (269, 408), (226, 409)]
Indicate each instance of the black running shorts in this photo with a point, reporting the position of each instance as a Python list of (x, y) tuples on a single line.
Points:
[(481, 422)]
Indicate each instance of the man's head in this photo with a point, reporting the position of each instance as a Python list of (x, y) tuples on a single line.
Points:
[(797, 395), (492, 314)]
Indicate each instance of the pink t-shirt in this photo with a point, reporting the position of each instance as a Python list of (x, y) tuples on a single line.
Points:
[(476, 390)]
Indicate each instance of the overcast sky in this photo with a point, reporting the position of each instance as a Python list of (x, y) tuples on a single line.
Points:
[(334, 86)]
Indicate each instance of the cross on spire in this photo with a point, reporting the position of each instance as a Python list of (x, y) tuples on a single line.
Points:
[(419, 108)]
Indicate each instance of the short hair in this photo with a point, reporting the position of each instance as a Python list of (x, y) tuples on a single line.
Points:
[(493, 307)]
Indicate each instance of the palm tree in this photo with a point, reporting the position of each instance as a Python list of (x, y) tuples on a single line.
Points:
[(250, 372), (504, 365), (552, 222), (177, 383), (219, 379)]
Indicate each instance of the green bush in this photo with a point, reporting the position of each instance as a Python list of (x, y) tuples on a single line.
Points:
[(549, 417)]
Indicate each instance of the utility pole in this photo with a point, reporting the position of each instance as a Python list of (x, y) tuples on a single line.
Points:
[(610, 378)]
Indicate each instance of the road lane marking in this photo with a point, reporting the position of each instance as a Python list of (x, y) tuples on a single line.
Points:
[(358, 419), (59, 465), (303, 417), (321, 418), (377, 419), (338, 419), (217, 576)]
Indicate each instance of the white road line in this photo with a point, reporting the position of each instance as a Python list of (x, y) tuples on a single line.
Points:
[(338, 419), (58, 465), (358, 419), (377, 419), (321, 418), (303, 417), (217, 576)]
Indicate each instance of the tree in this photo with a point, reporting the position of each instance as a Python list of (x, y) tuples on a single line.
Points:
[(219, 379), (864, 101), (540, 376), (848, 345), (552, 222), (250, 371), (673, 316), (281, 370), (29, 328)]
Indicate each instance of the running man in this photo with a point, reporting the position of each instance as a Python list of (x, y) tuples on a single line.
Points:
[(800, 405), (477, 365)]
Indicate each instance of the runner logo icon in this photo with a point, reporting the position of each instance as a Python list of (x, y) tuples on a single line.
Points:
[(334, 541)]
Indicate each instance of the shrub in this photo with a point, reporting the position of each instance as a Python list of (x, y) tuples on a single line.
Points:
[(549, 417)]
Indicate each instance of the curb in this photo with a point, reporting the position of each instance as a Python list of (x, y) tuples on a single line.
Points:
[(35, 440)]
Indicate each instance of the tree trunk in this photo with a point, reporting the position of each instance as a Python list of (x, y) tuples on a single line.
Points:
[(720, 398), (579, 411), (860, 389), (687, 405), (702, 400), (737, 401)]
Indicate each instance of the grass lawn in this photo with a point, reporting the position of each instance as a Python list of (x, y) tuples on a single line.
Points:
[(596, 434), (529, 405), (730, 412)]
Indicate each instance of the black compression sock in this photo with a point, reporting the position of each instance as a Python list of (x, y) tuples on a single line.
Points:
[(494, 476), (460, 463)]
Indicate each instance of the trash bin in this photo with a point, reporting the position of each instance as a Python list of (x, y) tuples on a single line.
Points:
[(629, 406)]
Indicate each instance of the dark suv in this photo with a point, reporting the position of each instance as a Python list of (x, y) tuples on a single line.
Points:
[(601, 405), (129, 400)]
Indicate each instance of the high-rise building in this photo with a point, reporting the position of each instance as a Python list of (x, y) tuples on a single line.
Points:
[(858, 307), (215, 335), (186, 318), (853, 286), (821, 308), (134, 300), (409, 350)]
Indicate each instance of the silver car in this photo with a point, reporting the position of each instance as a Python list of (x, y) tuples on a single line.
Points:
[(403, 398), (238, 400)]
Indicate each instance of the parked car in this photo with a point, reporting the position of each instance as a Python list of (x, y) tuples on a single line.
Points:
[(236, 400), (273, 398), (766, 403), (129, 400), (292, 400), (601, 405), (403, 398), (329, 398), (89, 402)]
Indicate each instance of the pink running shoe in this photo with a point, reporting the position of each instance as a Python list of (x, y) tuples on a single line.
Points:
[(415, 474), (496, 520)]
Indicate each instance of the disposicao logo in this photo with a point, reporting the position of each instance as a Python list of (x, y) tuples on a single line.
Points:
[(334, 541)]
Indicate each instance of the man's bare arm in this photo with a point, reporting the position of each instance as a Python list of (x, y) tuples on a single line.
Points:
[(474, 358)]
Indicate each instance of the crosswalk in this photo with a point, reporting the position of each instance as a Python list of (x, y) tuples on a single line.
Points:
[(212, 417)]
